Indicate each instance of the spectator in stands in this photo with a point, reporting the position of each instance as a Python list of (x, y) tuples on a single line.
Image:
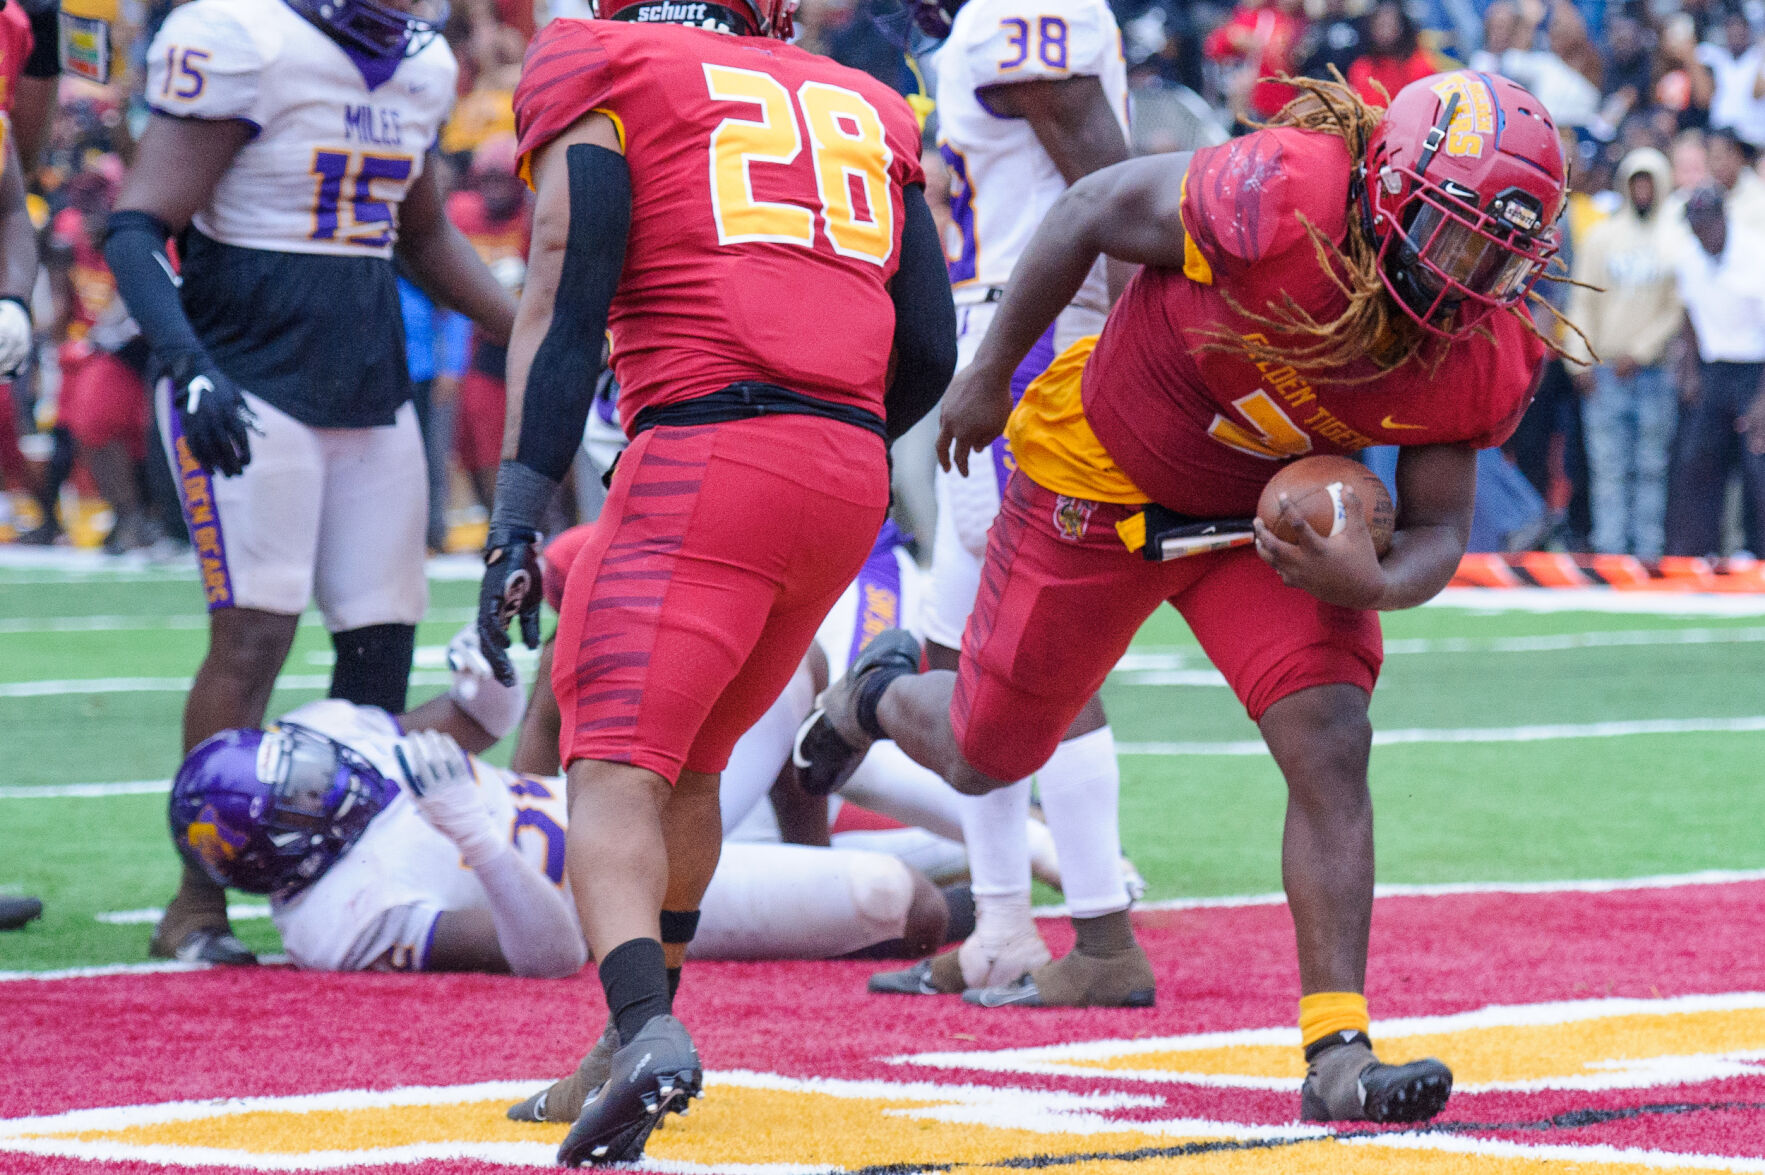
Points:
[(1516, 44), (1737, 66), (1628, 306), (493, 211), (437, 344), (1683, 83), (1393, 57), (1722, 283), (103, 401), (1333, 42), (1258, 44), (1730, 160)]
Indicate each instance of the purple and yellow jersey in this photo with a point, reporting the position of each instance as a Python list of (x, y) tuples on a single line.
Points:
[(336, 140), (1002, 183), (376, 907)]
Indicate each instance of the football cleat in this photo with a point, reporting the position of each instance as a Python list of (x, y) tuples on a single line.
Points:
[(1345, 1082), (204, 944), (1077, 980), (561, 1101), (16, 911), (831, 742), (658, 1072), (938, 975)]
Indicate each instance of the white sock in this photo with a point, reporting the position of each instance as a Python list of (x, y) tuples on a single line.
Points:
[(755, 759), (998, 845), (1081, 788), (891, 784)]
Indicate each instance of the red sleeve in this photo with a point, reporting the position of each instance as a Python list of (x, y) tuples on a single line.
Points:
[(1521, 367), (567, 74), (1249, 199)]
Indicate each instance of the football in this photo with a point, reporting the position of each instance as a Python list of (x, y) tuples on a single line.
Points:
[(1314, 486)]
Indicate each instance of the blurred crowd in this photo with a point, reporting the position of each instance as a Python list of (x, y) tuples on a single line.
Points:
[(1656, 446)]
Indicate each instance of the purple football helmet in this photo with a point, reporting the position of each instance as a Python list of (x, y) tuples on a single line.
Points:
[(377, 28), (268, 811)]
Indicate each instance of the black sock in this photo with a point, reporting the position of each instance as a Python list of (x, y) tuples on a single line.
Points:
[(673, 985), (635, 978), (1106, 934), (374, 665)]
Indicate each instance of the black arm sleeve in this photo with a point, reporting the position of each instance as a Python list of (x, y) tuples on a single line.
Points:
[(45, 58), (560, 384), (134, 247), (925, 320)]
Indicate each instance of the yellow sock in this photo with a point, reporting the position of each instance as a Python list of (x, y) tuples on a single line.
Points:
[(1326, 1012)]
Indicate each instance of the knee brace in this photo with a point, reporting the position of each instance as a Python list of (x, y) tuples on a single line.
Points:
[(374, 665)]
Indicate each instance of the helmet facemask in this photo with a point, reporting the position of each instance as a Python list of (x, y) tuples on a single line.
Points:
[(1447, 262), (379, 29), (274, 816)]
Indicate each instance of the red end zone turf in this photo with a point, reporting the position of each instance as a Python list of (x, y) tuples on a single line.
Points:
[(1619, 1021)]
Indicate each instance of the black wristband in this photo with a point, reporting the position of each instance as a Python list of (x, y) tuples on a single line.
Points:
[(522, 496), (679, 926)]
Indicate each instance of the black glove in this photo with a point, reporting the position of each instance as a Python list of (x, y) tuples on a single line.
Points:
[(216, 421), (512, 587)]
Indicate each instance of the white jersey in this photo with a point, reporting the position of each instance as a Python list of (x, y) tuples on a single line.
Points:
[(885, 595), (376, 907), (1002, 183), (336, 144)]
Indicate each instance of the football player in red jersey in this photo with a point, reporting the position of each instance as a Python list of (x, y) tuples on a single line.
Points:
[(1333, 281), (747, 221)]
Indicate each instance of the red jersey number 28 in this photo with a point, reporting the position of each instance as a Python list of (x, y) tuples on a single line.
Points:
[(849, 156)]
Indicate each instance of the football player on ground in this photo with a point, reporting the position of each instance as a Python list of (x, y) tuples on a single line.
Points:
[(1032, 97), (747, 220), (288, 152), (1342, 278), (384, 810)]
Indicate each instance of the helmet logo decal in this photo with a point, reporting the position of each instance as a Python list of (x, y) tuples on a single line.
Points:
[(210, 841), (1473, 118)]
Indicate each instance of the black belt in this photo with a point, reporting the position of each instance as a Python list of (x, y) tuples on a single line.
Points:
[(748, 399), (1160, 535)]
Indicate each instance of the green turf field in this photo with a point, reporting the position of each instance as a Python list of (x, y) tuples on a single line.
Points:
[(1534, 789)]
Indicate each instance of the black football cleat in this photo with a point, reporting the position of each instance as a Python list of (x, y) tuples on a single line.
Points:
[(657, 1073), (16, 911), (831, 743), (1347, 1083)]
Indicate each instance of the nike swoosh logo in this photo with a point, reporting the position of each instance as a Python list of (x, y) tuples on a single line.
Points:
[(1392, 424), (997, 997)]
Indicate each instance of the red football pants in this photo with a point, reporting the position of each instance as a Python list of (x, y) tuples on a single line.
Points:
[(1056, 610), (718, 553)]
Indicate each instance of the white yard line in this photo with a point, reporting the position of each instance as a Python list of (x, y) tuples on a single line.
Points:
[(150, 916), (1464, 888), (82, 791), (1548, 732), (24, 625), (77, 686)]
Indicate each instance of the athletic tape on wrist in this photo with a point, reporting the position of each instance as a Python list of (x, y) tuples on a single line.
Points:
[(522, 494)]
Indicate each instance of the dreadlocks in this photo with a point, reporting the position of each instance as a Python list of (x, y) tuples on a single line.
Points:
[(1372, 324)]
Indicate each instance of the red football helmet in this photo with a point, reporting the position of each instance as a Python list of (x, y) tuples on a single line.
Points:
[(1464, 182), (748, 18)]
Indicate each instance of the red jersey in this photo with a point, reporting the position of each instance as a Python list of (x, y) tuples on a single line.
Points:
[(91, 287), (766, 206), (1200, 428)]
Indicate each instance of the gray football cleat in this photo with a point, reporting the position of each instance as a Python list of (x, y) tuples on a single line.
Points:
[(561, 1101)]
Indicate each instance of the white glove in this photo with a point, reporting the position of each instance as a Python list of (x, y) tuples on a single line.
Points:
[(491, 704), (15, 335), (446, 791)]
